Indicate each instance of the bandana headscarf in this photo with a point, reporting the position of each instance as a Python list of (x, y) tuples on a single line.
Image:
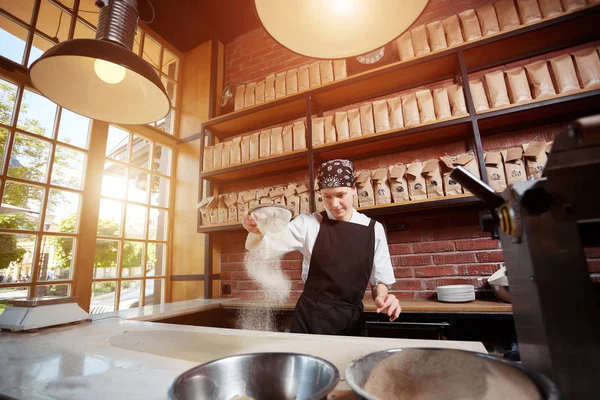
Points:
[(336, 173)]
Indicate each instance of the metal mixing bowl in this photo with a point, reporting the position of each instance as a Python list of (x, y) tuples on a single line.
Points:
[(359, 370), (259, 376)]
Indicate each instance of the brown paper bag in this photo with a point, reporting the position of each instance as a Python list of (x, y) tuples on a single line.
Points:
[(457, 100), (259, 92), (395, 112), (588, 67), (339, 69), (381, 185), (564, 73), (254, 146), (288, 138), (354, 123), (249, 95), (330, 136), (232, 208), (367, 124), (514, 165), (451, 187), (341, 125), (550, 7), (226, 155), (303, 78), (410, 110), (208, 161), (245, 145), (252, 199), (452, 29), (417, 188), (470, 25), (480, 100), (223, 210), (235, 153), (263, 196), (535, 159), (203, 206), (242, 204), (280, 85), (540, 80), (314, 74), (292, 200), (299, 131), (405, 46), (277, 141), (398, 184), (364, 186), (419, 39), (355, 200), (291, 81), (218, 155), (318, 131), (380, 112), (518, 86), (496, 88), (571, 5), (239, 97), (494, 168), (469, 162), (213, 211), (326, 71), (277, 195), (425, 105), (507, 14), (529, 11), (437, 38), (265, 143), (488, 20), (303, 194), (270, 87), (433, 179), (319, 204), (441, 104)]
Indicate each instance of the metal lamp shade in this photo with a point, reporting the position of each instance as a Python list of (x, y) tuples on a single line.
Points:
[(66, 75), (333, 29)]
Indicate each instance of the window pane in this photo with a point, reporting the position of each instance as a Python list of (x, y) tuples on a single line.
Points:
[(53, 21), (3, 140), (109, 218), (130, 294), (106, 259), (136, 42), (89, 12), (162, 160), (132, 259), (61, 290), (160, 191), (138, 186), (135, 224), (39, 46), (21, 206), (140, 154), (8, 98), (16, 256), (29, 158), (62, 212), (151, 51), (117, 146), (56, 259), (10, 293), (13, 37), (166, 123), (158, 225), (68, 167), (155, 292), (170, 88), (156, 263), (74, 129), (21, 9), (82, 31), (169, 67), (37, 114), (103, 297), (113, 180)]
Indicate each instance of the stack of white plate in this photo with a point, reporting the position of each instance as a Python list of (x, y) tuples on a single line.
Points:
[(456, 293)]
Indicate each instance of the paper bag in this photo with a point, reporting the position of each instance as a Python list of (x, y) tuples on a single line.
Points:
[(419, 39), (488, 20), (453, 32), (405, 46), (540, 80), (245, 145), (314, 74), (494, 168), (339, 69), (208, 161), (319, 205), (249, 95), (550, 7), (259, 92), (265, 143), (277, 195), (252, 199), (451, 187), (417, 188), (341, 125), (291, 81), (232, 208), (299, 135), (354, 123), (398, 184), (270, 87), (588, 67), (564, 73), (280, 85), (364, 187), (507, 14), (263, 196), (223, 210), (535, 159), (496, 88), (470, 24), (367, 124), (218, 155), (213, 210), (469, 162), (395, 112), (330, 136), (318, 131), (518, 85), (437, 38), (433, 179), (254, 146), (303, 78), (288, 138), (410, 110), (441, 104), (326, 71), (277, 141), (303, 194), (514, 165), (242, 204), (479, 97), (381, 186), (380, 112), (226, 155), (292, 200), (425, 105), (529, 11), (205, 211), (235, 153), (239, 97), (457, 100)]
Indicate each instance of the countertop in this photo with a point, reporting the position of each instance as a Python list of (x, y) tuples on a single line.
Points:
[(119, 356)]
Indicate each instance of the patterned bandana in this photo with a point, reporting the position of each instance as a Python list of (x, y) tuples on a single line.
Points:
[(336, 173)]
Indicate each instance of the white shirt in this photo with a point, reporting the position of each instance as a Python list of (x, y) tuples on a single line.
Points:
[(301, 234)]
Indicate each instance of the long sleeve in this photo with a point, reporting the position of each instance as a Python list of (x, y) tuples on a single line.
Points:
[(291, 238)]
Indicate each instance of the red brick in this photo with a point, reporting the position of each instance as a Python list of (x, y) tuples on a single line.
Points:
[(426, 295), (293, 275), (592, 252), (294, 255), (460, 232), (297, 285), (409, 284), (240, 276), (396, 249), (458, 281), (479, 269), (595, 278), (433, 247), (232, 266), (490, 256), (249, 295), (236, 257), (248, 285), (402, 272), (411, 261), (445, 270), (226, 276), (454, 258), (292, 265), (480, 244), (223, 258), (403, 295), (405, 236), (594, 266)]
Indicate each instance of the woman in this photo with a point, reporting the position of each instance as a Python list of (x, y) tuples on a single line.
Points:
[(343, 250)]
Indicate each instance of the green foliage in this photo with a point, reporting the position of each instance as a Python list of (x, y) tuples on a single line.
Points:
[(9, 249)]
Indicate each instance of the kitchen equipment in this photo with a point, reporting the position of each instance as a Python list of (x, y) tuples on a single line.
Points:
[(456, 293), (36, 313), (499, 283), (271, 217), (428, 373), (258, 376)]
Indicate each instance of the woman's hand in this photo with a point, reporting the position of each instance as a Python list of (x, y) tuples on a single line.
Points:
[(249, 223), (389, 305)]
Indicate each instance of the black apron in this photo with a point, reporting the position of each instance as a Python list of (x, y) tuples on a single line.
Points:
[(340, 267)]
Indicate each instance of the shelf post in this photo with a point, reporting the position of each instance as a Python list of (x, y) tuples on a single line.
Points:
[(310, 156)]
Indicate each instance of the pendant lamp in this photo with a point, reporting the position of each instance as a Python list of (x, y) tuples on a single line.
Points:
[(102, 78), (333, 29)]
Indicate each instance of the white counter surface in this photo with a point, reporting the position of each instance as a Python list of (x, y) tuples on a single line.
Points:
[(83, 361)]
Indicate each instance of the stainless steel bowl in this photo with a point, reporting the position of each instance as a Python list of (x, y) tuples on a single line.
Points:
[(259, 376), (449, 379)]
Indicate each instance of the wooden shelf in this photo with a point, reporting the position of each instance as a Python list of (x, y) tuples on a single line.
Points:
[(419, 205), (221, 228), (254, 169)]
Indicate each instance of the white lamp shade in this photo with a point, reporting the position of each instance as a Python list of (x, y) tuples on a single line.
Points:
[(333, 29), (69, 75)]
